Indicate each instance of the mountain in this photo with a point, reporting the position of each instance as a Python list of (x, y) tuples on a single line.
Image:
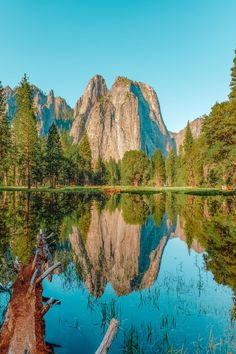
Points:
[(48, 109), (196, 128), (126, 117)]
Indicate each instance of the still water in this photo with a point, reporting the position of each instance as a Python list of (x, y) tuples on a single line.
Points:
[(164, 265)]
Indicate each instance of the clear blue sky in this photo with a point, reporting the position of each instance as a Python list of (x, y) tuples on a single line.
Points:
[(183, 48)]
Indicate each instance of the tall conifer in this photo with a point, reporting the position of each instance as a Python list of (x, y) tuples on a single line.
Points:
[(5, 138), (170, 168), (25, 127), (159, 168), (85, 155), (54, 155)]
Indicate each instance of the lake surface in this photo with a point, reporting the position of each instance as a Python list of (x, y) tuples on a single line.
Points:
[(164, 265)]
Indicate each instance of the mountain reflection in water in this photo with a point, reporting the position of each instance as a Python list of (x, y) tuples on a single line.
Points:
[(122, 255)]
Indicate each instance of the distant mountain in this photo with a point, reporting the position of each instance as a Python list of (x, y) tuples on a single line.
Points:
[(196, 128), (48, 109), (126, 117)]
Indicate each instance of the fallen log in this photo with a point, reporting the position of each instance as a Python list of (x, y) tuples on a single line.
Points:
[(48, 271), (35, 259), (23, 327), (108, 338)]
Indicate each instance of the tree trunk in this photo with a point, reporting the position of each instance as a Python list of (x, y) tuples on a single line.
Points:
[(28, 176)]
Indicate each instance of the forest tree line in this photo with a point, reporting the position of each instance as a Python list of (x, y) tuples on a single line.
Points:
[(28, 159)]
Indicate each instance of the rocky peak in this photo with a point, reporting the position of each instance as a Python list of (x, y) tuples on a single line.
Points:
[(95, 89), (50, 98), (127, 117), (196, 129), (48, 109)]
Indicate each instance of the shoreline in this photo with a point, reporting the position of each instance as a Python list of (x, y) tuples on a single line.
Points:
[(122, 189)]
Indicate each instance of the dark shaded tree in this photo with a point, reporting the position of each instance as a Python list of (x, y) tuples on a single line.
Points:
[(25, 129), (5, 139), (54, 155), (135, 168), (158, 162)]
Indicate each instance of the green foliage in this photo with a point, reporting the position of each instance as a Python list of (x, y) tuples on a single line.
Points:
[(135, 168), (85, 156), (5, 139), (25, 129), (158, 162), (113, 170), (170, 168), (54, 155), (188, 162), (40, 166), (100, 173)]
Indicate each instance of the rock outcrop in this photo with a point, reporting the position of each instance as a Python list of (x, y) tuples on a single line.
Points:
[(48, 109), (127, 117), (196, 128)]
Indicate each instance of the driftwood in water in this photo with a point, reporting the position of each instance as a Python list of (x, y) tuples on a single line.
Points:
[(48, 271), (49, 304), (50, 235), (108, 338)]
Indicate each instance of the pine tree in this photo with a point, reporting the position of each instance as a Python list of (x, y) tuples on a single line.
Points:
[(54, 155), (85, 155), (188, 156), (25, 127), (170, 168), (100, 173), (5, 138), (232, 95), (135, 168), (158, 162), (113, 169), (188, 140), (39, 168), (231, 164)]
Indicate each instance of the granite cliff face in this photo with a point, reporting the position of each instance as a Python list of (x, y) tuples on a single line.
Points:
[(127, 117), (48, 109), (196, 128)]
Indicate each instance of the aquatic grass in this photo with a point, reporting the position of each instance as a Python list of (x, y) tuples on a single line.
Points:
[(131, 342), (108, 311)]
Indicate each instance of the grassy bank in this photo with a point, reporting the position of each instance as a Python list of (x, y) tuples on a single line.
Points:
[(124, 189)]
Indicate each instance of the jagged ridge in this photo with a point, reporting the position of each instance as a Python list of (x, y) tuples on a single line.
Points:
[(126, 117), (48, 109)]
